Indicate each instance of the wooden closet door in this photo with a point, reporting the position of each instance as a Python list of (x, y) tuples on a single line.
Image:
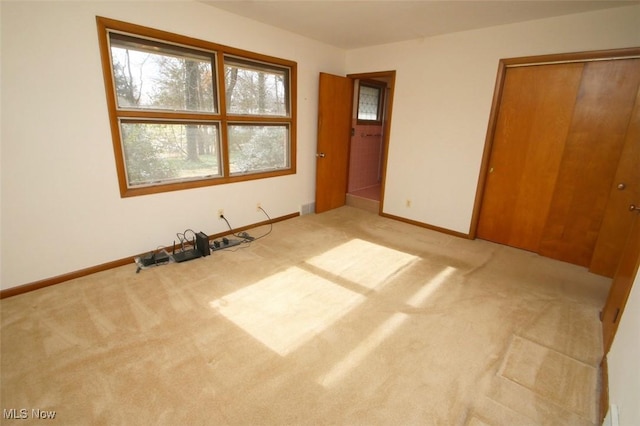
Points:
[(624, 191), (557, 153), (590, 159), (532, 125)]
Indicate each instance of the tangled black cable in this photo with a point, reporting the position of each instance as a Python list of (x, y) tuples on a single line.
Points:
[(244, 235), (182, 237)]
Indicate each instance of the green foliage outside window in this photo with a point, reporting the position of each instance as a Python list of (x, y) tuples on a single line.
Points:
[(166, 93)]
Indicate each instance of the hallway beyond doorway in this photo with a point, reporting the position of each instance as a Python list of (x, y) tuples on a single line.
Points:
[(371, 192), (366, 198)]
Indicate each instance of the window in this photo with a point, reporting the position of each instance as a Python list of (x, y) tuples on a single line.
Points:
[(187, 113), (370, 101), (256, 90)]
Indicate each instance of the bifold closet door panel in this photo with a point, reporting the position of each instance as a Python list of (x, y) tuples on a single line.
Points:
[(533, 122), (624, 191), (590, 159)]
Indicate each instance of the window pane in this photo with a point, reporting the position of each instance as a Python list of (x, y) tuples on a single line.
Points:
[(151, 75), (368, 103), (258, 148), (256, 89), (160, 152)]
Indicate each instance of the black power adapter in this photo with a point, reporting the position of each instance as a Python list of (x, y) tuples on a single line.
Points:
[(202, 244)]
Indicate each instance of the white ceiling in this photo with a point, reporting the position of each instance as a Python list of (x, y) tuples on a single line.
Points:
[(360, 23)]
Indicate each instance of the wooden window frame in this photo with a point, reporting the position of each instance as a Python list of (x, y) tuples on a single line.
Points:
[(106, 25)]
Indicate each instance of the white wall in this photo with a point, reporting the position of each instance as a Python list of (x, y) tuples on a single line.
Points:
[(61, 209), (624, 362), (444, 88), (59, 189)]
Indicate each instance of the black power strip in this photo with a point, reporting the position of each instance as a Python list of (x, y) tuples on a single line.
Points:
[(246, 236), (224, 243)]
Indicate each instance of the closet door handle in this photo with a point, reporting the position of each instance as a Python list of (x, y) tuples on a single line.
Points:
[(634, 208), (320, 155)]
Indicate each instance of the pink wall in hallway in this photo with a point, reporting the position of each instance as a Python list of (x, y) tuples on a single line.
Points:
[(364, 163)]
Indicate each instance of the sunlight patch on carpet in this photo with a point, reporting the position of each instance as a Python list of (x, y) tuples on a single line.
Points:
[(364, 348), (362, 262), (287, 309), (556, 377), (431, 287)]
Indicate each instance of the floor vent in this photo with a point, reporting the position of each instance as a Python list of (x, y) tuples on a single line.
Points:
[(307, 208)]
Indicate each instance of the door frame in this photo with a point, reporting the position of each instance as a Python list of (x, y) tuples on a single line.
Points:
[(386, 131), (597, 55)]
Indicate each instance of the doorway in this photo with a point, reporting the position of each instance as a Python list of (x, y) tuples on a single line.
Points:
[(336, 128), (369, 125)]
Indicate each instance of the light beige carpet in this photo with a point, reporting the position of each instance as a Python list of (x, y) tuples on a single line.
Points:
[(341, 318)]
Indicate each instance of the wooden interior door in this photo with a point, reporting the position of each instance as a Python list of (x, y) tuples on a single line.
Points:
[(334, 135), (624, 191), (532, 125), (590, 160)]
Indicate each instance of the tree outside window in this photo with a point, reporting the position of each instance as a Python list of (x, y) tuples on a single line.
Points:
[(170, 131)]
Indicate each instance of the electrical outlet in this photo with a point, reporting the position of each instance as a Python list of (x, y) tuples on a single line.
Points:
[(408, 204), (220, 213), (258, 206)]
